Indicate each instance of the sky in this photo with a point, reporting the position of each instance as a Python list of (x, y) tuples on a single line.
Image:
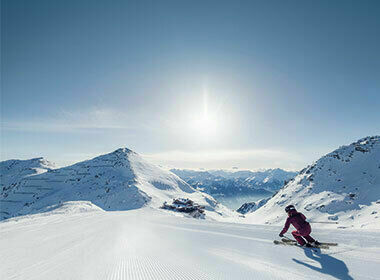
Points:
[(189, 84)]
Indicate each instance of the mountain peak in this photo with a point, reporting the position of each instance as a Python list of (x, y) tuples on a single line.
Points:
[(38, 162), (123, 151), (363, 145), (341, 186), (119, 157), (120, 180)]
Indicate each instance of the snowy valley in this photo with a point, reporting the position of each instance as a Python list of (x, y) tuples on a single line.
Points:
[(233, 188), (221, 182)]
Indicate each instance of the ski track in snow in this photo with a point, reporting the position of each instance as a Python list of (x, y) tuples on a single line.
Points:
[(149, 244)]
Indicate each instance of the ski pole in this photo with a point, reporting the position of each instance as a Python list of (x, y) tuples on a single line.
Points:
[(287, 238), (313, 222)]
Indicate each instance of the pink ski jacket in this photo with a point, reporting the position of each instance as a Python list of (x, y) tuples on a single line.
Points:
[(298, 220)]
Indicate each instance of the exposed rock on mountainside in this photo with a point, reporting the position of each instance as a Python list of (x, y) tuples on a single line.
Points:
[(11, 171), (342, 186), (251, 206), (121, 180), (225, 183)]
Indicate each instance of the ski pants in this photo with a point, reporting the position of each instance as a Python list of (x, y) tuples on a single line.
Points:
[(299, 235)]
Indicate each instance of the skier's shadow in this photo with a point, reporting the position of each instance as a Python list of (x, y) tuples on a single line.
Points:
[(329, 264)]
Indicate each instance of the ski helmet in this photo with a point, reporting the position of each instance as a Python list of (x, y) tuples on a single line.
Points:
[(289, 208)]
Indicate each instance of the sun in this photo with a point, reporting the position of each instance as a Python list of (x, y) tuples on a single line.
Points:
[(205, 125), (206, 122)]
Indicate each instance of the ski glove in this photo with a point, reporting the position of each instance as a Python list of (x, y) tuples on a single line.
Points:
[(281, 235)]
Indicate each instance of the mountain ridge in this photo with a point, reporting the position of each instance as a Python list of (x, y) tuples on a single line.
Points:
[(343, 186), (120, 180), (227, 183)]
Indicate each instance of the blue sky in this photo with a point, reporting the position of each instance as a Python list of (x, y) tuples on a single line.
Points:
[(189, 84)]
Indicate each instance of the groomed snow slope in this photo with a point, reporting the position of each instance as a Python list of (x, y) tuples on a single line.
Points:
[(342, 187), (120, 180), (71, 243)]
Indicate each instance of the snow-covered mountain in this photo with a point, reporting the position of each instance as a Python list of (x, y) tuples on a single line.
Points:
[(270, 179), (11, 171), (227, 183), (268, 175), (249, 207), (343, 186), (121, 180), (79, 240)]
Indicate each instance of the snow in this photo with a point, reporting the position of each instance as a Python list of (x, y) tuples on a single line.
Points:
[(252, 206), (343, 186), (152, 244), (120, 180), (235, 188), (13, 170), (71, 223)]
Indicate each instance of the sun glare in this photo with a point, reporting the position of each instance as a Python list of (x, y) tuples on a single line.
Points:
[(206, 123)]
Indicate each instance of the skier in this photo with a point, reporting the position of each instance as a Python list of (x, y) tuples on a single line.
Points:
[(303, 229)]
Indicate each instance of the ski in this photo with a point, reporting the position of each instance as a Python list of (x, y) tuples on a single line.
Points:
[(322, 243), (294, 243), (329, 243)]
